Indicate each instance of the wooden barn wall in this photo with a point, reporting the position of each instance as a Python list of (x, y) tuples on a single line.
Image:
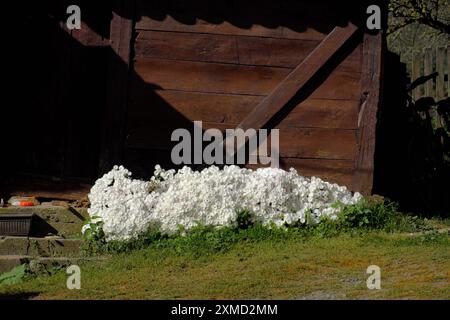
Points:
[(191, 62)]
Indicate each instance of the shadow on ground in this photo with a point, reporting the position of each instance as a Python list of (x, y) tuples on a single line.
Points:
[(18, 296)]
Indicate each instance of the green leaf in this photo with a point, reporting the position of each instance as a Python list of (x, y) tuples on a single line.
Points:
[(14, 276)]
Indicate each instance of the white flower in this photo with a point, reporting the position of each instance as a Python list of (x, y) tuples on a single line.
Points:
[(211, 197), (85, 228)]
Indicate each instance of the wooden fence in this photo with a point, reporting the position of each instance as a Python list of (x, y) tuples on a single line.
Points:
[(436, 62)]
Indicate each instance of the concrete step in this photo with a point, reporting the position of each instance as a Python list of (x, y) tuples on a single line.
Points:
[(9, 262), (39, 247), (53, 220)]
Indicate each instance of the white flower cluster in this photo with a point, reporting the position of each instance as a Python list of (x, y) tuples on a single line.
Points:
[(212, 196)]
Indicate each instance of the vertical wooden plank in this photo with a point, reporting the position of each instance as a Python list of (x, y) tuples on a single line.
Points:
[(448, 71), (428, 69), (429, 85), (440, 69), (371, 99), (121, 29), (417, 73)]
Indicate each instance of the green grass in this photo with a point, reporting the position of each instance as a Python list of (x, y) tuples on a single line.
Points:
[(248, 261), (412, 267)]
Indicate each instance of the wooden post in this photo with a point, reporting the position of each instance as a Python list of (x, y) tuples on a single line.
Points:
[(371, 90)]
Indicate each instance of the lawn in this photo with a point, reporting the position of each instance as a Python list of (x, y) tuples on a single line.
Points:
[(412, 267)]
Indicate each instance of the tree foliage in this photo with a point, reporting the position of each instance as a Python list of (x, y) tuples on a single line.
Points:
[(432, 13), (417, 24)]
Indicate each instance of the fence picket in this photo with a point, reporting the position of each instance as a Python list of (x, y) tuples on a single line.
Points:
[(428, 69), (417, 73), (427, 62), (448, 71), (440, 69)]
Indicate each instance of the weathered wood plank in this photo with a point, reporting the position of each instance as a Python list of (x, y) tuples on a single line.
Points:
[(232, 49), (335, 171), (371, 89), (209, 77), (317, 143), (323, 113), (294, 142), (235, 79), (169, 106), (186, 46)]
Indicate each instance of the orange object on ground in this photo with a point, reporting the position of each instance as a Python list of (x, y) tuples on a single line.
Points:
[(23, 204), (26, 204)]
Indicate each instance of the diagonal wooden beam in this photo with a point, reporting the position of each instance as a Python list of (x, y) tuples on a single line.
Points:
[(297, 79)]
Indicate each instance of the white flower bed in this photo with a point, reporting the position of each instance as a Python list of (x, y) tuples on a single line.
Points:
[(211, 197)]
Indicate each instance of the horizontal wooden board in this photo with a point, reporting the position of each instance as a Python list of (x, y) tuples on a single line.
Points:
[(209, 77), (322, 113), (318, 143), (232, 49), (179, 107), (335, 171), (294, 142), (235, 79)]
